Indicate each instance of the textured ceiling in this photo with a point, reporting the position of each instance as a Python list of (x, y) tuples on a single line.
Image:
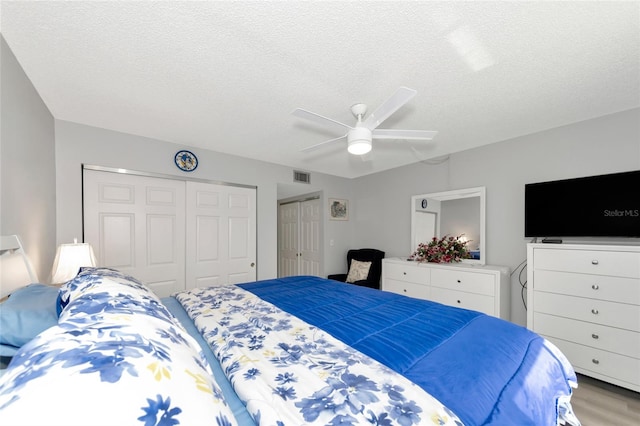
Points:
[(226, 75)]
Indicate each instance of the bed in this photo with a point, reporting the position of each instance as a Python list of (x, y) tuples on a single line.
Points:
[(290, 351)]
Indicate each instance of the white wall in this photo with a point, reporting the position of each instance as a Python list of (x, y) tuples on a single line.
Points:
[(79, 144), (603, 145), (27, 173)]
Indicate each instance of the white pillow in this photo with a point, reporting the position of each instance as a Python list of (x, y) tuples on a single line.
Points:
[(358, 271)]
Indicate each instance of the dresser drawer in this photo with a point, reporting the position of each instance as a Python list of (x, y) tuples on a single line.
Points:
[(419, 291), (625, 370), (460, 299), (617, 340), (410, 272), (614, 263), (614, 289), (612, 314), (472, 282)]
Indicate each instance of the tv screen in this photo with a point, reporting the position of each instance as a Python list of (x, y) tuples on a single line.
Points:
[(595, 206)]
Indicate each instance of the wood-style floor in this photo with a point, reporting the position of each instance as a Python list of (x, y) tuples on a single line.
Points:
[(597, 403)]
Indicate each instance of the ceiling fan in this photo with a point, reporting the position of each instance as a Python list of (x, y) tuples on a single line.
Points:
[(360, 136)]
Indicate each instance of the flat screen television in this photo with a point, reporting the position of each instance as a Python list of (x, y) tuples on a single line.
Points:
[(594, 206)]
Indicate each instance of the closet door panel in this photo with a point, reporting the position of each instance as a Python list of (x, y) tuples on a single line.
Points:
[(207, 248), (310, 242), (238, 237), (220, 235), (241, 234), (161, 240), (117, 236), (136, 224), (288, 239)]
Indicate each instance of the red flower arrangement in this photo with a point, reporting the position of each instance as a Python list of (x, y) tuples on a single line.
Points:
[(444, 250)]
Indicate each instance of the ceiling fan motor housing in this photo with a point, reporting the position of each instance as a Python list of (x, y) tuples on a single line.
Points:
[(359, 141)]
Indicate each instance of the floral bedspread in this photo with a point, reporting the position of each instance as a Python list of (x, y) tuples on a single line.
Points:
[(290, 373), (116, 357)]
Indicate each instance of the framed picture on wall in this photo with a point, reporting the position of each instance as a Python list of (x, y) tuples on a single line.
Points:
[(338, 209)]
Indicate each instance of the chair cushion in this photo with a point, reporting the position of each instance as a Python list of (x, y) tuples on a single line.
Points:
[(358, 271)]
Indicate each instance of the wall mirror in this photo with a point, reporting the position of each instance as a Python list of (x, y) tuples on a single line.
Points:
[(451, 213)]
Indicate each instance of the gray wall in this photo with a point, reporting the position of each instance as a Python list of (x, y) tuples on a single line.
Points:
[(78, 144), (27, 170), (603, 145)]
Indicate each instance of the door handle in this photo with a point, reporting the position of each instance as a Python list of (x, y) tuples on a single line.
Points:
[(253, 264)]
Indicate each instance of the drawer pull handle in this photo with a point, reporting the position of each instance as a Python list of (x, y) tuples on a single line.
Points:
[(404, 289), (595, 361), (459, 281), (459, 301), (595, 287), (595, 336), (404, 273), (594, 312), (594, 262)]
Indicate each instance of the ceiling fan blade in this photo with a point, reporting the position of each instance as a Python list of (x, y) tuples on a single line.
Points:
[(321, 144), (404, 134), (399, 98), (327, 122)]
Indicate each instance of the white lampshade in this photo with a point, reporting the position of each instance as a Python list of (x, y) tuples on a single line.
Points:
[(69, 259), (359, 148), (359, 141)]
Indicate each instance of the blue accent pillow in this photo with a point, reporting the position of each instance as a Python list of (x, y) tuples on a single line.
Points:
[(26, 313)]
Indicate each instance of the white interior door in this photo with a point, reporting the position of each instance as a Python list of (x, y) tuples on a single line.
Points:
[(288, 238), (136, 225), (220, 234), (310, 255), (299, 246)]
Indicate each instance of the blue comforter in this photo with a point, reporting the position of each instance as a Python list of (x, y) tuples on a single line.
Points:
[(488, 371)]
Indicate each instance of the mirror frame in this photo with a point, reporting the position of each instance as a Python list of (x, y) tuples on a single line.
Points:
[(456, 195)]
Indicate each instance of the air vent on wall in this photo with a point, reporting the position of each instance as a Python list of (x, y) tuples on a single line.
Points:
[(302, 177)]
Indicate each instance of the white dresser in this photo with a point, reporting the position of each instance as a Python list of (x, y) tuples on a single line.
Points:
[(480, 288), (586, 300)]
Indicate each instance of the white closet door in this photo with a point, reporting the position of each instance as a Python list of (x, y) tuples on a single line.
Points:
[(136, 225), (299, 238), (220, 235), (310, 237), (288, 239)]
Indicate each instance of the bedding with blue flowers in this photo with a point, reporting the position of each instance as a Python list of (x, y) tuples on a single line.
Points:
[(116, 357), (290, 373)]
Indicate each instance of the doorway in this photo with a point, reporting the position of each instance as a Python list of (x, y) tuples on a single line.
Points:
[(299, 236)]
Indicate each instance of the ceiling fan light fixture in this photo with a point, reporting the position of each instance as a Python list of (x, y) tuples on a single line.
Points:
[(359, 137), (359, 141), (359, 147)]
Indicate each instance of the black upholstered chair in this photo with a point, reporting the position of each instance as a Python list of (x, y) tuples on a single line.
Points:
[(364, 255)]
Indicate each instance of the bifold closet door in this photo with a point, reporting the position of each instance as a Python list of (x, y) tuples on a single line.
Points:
[(136, 225), (310, 237), (221, 234), (299, 239), (288, 239), (171, 234)]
